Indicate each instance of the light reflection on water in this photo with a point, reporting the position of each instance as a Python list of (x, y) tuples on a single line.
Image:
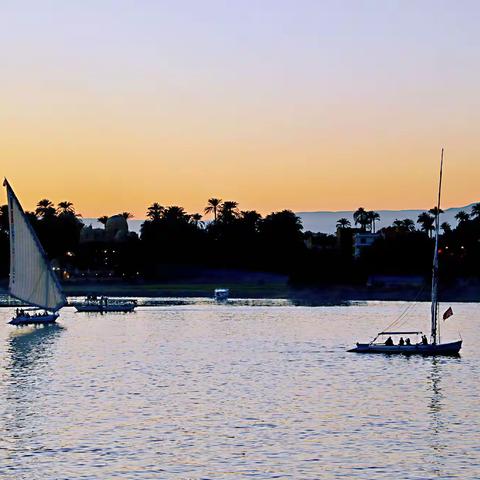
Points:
[(205, 391)]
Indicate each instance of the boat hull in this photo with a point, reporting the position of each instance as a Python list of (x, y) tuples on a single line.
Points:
[(124, 308), (23, 320), (452, 348)]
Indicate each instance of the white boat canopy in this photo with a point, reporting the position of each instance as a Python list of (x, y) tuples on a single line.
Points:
[(400, 333)]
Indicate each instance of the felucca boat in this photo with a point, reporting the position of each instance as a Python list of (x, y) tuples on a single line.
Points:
[(32, 279), (435, 347)]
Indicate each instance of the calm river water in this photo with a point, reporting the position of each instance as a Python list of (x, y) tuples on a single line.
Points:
[(201, 391)]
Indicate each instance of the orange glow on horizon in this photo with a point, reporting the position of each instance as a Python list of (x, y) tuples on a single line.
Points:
[(115, 112), (110, 164)]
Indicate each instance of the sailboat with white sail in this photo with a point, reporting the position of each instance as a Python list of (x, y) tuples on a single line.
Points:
[(32, 279), (435, 347)]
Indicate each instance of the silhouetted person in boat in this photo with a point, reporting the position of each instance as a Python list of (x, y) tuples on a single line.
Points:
[(401, 342), (389, 341), (424, 340), (407, 341)]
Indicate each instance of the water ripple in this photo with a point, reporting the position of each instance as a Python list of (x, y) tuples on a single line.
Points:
[(201, 391)]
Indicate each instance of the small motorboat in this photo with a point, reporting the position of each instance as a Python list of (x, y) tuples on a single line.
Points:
[(221, 294), (102, 304)]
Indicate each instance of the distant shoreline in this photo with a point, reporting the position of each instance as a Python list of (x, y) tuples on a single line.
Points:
[(308, 295)]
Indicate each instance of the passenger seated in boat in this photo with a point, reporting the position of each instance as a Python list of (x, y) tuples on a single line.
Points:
[(407, 341), (389, 341), (424, 340), (401, 342)]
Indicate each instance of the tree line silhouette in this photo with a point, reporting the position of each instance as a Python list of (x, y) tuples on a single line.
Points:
[(405, 247), (172, 240), (169, 237)]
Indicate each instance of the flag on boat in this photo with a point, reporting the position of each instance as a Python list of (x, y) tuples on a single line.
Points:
[(448, 313)]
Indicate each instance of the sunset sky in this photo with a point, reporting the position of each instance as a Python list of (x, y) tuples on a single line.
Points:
[(307, 105)]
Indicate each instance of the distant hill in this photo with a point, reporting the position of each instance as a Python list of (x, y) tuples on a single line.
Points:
[(325, 222)]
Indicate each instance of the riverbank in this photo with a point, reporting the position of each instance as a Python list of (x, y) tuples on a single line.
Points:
[(244, 290), (270, 290)]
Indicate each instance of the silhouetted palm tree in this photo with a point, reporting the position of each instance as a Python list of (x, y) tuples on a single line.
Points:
[(196, 219), (475, 212), (398, 224), (45, 208), (426, 221), (175, 214), (126, 215), (462, 216), (406, 225), (155, 211), (213, 206), (373, 217), (103, 219), (343, 223), (409, 225), (228, 211), (281, 234), (250, 218), (360, 217), (31, 216), (446, 227), (433, 211), (65, 208)]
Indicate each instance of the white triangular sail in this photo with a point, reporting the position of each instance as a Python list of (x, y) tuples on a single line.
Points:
[(31, 276)]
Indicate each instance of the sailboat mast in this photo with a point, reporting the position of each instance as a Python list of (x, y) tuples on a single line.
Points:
[(434, 308)]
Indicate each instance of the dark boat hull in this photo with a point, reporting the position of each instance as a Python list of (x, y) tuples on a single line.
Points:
[(23, 320), (124, 308), (452, 348)]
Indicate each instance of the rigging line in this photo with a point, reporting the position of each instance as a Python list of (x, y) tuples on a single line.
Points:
[(403, 314), (404, 322), (407, 309)]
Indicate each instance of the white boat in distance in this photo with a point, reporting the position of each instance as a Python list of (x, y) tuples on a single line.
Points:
[(422, 348), (221, 294), (32, 279)]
